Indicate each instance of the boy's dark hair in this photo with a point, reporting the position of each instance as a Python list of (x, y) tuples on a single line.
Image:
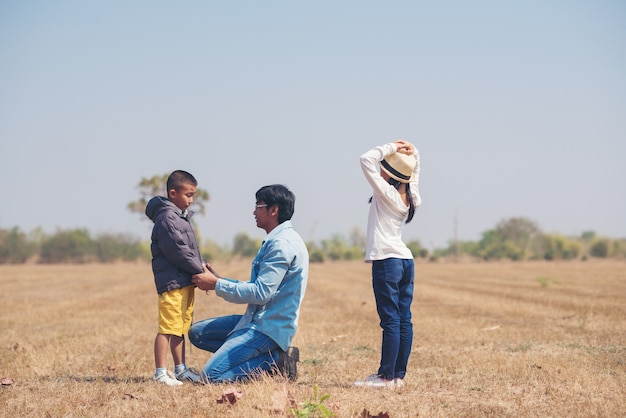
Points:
[(278, 195), (178, 178)]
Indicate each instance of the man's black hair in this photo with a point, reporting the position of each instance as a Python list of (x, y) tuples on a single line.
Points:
[(278, 195)]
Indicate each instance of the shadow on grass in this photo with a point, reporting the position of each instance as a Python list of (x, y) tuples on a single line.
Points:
[(96, 379)]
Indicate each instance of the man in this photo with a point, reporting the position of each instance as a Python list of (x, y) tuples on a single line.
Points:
[(259, 340)]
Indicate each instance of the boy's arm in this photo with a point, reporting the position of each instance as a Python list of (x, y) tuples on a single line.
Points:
[(174, 246)]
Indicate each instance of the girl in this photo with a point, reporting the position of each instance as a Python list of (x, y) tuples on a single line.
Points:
[(392, 205)]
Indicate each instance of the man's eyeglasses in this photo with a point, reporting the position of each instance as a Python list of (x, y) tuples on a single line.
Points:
[(259, 206)]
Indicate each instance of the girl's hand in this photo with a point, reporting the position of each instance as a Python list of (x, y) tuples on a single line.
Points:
[(404, 147)]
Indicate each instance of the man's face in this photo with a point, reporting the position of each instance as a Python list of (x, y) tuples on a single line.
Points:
[(183, 197), (261, 214)]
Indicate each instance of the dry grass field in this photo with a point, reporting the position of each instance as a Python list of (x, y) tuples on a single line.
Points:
[(491, 340)]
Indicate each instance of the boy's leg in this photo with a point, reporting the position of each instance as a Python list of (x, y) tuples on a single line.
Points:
[(182, 373), (168, 306), (186, 299), (167, 339), (161, 347), (161, 375), (177, 347)]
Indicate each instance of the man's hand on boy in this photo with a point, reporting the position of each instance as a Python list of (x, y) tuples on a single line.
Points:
[(205, 280), (212, 270)]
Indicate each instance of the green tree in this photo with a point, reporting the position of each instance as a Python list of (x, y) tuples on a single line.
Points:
[(212, 251), (15, 248), (71, 246), (417, 250), (335, 248), (490, 245), (513, 238), (316, 254), (468, 247), (522, 233), (112, 247), (155, 186), (357, 238), (557, 247), (619, 248), (600, 248), (245, 246), (587, 236)]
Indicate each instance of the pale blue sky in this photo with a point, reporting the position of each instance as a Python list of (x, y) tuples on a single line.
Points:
[(517, 108)]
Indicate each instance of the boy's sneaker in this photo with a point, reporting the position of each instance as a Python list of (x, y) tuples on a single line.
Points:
[(166, 379), (287, 363), (375, 381), (188, 375), (398, 382)]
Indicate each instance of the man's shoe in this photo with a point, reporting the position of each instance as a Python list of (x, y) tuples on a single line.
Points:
[(189, 375), (287, 363)]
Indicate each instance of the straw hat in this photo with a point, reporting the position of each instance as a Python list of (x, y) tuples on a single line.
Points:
[(399, 166)]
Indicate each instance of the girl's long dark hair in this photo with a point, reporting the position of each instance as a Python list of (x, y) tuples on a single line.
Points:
[(395, 183)]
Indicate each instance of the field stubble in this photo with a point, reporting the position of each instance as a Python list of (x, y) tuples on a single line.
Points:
[(491, 339)]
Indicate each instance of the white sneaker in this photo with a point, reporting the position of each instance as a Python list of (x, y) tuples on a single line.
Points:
[(189, 375), (167, 379), (375, 381), (398, 382)]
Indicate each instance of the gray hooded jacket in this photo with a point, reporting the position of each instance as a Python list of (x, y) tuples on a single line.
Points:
[(175, 252)]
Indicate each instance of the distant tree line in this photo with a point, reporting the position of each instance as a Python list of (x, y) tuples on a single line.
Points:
[(511, 239), (78, 246), (68, 246), (521, 239)]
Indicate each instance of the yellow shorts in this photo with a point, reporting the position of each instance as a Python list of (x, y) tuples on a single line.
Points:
[(176, 311)]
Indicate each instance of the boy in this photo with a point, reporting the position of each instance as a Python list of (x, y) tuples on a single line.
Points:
[(175, 258)]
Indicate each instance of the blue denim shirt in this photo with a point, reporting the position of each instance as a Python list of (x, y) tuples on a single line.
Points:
[(276, 288)]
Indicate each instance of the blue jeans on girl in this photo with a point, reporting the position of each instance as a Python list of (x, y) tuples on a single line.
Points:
[(393, 281)]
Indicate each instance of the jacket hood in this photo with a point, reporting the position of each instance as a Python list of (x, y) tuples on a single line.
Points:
[(158, 204)]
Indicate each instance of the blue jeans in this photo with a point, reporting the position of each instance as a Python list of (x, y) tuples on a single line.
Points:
[(237, 356), (393, 283)]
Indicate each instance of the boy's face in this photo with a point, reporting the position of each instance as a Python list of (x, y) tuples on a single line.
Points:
[(182, 197)]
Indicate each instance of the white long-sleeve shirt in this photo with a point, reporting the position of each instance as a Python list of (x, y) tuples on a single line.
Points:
[(387, 211)]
